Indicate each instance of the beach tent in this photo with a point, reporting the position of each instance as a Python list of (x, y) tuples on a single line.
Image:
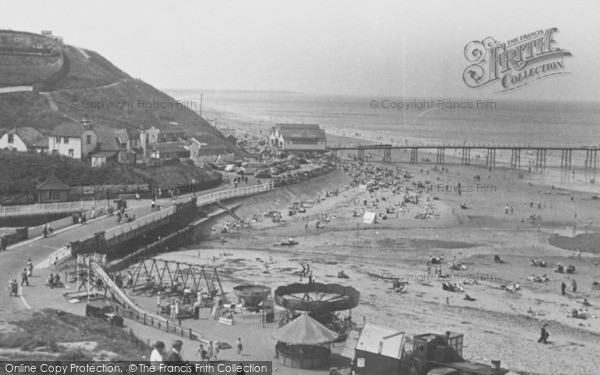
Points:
[(304, 330), (370, 218)]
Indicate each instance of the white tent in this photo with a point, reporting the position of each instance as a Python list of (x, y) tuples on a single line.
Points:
[(369, 218)]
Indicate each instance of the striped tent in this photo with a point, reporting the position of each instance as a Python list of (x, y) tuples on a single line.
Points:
[(304, 330)]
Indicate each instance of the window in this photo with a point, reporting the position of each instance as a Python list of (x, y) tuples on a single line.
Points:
[(11, 138), (66, 140), (88, 139), (71, 153), (54, 195)]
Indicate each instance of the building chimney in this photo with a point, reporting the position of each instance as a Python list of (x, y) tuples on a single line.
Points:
[(143, 142), (496, 364)]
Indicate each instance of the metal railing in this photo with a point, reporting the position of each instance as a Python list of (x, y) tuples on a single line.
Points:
[(201, 201), (46, 207), (138, 223), (232, 193)]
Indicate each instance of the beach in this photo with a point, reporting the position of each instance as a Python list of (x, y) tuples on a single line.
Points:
[(498, 324)]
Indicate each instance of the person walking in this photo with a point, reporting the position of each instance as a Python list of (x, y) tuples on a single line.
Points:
[(24, 279), (239, 347), (215, 351), (29, 268), (544, 335), (176, 353), (201, 353), (156, 357), (563, 287), (209, 351), (574, 286)]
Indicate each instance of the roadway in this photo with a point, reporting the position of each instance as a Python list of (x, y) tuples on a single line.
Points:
[(14, 259)]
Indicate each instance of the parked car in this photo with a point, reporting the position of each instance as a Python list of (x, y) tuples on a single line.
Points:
[(262, 173), (231, 168)]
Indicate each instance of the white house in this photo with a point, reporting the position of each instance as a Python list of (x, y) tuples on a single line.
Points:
[(299, 137), (165, 133), (72, 139), (24, 139)]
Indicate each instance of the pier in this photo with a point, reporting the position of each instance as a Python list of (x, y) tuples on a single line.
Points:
[(566, 160)]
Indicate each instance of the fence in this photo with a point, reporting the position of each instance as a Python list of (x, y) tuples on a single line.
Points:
[(5, 90), (256, 318), (232, 193), (201, 201), (157, 322), (138, 223), (46, 208)]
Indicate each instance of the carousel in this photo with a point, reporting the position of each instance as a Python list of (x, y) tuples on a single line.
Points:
[(304, 342)]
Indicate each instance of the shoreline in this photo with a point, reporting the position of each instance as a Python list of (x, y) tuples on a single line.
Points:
[(401, 245)]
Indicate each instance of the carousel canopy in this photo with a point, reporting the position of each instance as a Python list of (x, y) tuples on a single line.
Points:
[(317, 297), (304, 330)]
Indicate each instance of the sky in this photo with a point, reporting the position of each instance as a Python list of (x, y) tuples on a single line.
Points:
[(399, 48)]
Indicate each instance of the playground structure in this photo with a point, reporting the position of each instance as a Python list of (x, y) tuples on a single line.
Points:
[(257, 307), (88, 282), (173, 278), (321, 301), (317, 297), (252, 295), (94, 283)]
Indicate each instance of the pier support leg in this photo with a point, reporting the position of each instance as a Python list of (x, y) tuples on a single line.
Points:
[(544, 159)]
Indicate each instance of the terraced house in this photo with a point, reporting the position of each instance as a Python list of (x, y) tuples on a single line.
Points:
[(72, 139), (24, 140)]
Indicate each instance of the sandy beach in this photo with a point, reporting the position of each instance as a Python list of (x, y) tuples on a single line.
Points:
[(498, 324)]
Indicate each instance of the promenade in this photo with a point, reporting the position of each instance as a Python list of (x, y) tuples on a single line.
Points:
[(38, 249)]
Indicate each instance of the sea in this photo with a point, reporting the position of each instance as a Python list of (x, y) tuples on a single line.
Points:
[(423, 121)]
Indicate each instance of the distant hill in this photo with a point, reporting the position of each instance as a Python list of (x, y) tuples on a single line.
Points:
[(66, 79)]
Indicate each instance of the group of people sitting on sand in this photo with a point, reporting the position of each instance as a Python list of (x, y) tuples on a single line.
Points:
[(581, 314), (452, 287), (511, 288), (561, 269), (538, 263), (539, 279)]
